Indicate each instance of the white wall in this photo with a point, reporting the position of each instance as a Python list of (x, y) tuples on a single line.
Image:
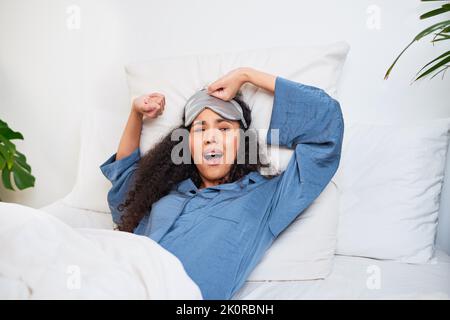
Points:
[(49, 73)]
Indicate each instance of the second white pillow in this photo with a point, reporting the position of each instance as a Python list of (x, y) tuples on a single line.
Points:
[(390, 179)]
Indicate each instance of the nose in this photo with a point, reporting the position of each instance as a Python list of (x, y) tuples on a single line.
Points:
[(211, 136)]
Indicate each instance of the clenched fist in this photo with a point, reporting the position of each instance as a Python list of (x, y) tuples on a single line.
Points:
[(150, 105), (227, 86)]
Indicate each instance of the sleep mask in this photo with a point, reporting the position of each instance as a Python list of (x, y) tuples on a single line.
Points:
[(201, 99)]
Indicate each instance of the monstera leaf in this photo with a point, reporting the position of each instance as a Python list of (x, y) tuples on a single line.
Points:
[(12, 162)]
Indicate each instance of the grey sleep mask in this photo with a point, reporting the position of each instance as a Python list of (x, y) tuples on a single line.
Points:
[(201, 99)]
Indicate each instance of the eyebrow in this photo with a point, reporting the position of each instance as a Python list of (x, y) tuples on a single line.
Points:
[(219, 120)]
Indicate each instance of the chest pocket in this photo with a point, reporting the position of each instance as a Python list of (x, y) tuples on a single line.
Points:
[(217, 230), (228, 209), (224, 220)]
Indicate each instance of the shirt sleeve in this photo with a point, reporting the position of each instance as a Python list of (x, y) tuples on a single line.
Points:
[(120, 173), (311, 123)]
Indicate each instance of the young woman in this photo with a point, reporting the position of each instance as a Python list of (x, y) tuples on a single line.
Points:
[(216, 215)]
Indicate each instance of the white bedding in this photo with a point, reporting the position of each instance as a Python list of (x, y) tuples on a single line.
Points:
[(79, 218), (42, 257), (351, 278), (362, 278)]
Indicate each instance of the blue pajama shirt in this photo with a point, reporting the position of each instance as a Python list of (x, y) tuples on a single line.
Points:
[(220, 233)]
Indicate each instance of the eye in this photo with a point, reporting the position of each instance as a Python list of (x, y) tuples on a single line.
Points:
[(198, 129), (225, 129)]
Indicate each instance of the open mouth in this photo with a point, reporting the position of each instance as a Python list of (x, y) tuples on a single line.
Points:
[(212, 157)]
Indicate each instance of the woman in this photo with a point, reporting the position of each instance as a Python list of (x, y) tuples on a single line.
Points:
[(219, 217)]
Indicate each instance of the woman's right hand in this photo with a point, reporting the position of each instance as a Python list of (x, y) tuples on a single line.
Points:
[(150, 105)]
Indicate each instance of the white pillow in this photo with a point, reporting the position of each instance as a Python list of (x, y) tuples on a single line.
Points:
[(305, 249), (179, 77), (101, 130), (390, 178)]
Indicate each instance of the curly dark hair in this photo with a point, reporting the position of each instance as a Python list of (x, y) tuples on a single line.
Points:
[(156, 174)]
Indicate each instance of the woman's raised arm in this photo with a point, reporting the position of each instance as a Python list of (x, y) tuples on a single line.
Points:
[(227, 86), (309, 121), (149, 105)]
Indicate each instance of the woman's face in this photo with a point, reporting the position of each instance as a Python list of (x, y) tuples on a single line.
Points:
[(213, 142)]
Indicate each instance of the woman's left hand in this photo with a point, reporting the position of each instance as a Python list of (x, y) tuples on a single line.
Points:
[(226, 87)]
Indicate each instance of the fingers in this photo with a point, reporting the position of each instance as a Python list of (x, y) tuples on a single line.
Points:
[(222, 89), (156, 94), (153, 109), (217, 94), (223, 94), (157, 97), (216, 85), (161, 110)]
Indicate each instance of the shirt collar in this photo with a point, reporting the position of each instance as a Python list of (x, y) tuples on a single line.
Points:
[(189, 187), (186, 186)]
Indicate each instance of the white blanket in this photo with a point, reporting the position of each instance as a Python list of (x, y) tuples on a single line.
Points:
[(41, 257)]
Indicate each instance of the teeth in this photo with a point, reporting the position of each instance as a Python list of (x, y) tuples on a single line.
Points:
[(211, 155)]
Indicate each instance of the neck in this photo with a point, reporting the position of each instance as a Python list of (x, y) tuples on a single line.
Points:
[(211, 183)]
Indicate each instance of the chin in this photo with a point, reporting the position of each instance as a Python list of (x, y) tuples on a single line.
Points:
[(215, 172)]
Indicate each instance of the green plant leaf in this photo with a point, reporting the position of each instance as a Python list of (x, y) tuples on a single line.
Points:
[(10, 134), (6, 178), (11, 146), (2, 162), (388, 72), (22, 160), (430, 29), (7, 155), (427, 31), (12, 162), (8, 149), (22, 178), (438, 58), (436, 66), (442, 37), (444, 34), (445, 8), (442, 70)]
